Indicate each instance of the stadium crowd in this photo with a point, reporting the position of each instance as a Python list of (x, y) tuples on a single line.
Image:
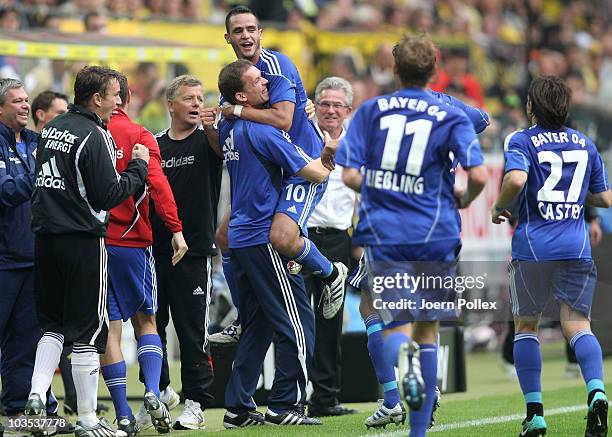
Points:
[(496, 47), (511, 42)]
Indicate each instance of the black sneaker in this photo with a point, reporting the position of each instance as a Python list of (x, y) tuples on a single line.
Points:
[(36, 414), (291, 417), (250, 418), (128, 425), (597, 418)]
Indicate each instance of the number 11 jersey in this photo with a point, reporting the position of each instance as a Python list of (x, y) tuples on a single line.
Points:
[(563, 166), (405, 143)]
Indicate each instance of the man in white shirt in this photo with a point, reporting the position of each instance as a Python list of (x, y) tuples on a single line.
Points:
[(328, 229)]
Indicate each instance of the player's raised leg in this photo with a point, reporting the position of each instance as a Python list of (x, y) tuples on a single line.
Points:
[(288, 236)]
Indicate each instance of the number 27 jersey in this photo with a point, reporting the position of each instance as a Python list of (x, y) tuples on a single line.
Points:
[(562, 166), (405, 142)]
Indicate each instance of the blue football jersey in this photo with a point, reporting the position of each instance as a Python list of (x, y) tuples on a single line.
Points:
[(303, 132), (404, 142), (478, 117), (257, 156), (563, 166)]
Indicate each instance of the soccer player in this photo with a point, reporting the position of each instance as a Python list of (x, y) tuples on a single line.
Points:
[(384, 343), (131, 270), (556, 171), (288, 99), (273, 300), (45, 107), (408, 212), (193, 169), (76, 184)]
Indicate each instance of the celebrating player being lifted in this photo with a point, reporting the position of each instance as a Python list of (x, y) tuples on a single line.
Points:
[(557, 171), (299, 197)]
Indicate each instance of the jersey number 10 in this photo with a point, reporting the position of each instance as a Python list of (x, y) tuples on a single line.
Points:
[(396, 127), (548, 193)]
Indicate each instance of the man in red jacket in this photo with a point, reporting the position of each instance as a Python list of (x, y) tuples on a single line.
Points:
[(133, 283)]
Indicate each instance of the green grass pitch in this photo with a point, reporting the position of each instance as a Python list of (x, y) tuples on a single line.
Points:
[(492, 406)]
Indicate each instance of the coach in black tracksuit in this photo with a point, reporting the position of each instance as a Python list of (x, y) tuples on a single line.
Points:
[(76, 184), (184, 290)]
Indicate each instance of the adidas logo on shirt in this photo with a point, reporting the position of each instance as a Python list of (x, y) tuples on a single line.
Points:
[(50, 177), (292, 209), (198, 291)]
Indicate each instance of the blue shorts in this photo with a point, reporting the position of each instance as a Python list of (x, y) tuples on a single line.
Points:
[(413, 282), (571, 282), (298, 199), (132, 280)]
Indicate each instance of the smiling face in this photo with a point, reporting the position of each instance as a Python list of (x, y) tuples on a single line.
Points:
[(185, 109), (255, 88), (332, 110), (107, 103), (245, 36), (15, 111)]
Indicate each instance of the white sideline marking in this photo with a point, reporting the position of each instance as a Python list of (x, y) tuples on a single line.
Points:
[(480, 422)]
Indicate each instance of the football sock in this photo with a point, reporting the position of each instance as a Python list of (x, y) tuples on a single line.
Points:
[(228, 272), (392, 345), (48, 354), (588, 354), (385, 373), (150, 357), (114, 377), (310, 257), (85, 366), (528, 364), (419, 420)]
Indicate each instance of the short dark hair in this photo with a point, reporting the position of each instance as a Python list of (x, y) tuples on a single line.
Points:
[(44, 100), (90, 80), (550, 101), (230, 79), (238, 10), (124, 89), (415, 60)]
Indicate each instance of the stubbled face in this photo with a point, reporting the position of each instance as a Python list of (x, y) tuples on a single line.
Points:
[(245, 36), (331, 110), (15, 111), (186, 107), (108, 102), (255, 91), (58, 107)]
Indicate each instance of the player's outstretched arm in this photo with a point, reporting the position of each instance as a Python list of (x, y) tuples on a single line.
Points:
[(512, 185), (279, 115), (600, 200), (314, 171)]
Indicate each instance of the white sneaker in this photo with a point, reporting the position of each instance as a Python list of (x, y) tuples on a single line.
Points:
[(168, 397), (333, 294), (509, 370), (384, 416), (229, 335), (192, 416), (572, 371)]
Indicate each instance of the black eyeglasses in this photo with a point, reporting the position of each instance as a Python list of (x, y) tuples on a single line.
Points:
[(329, 105)]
